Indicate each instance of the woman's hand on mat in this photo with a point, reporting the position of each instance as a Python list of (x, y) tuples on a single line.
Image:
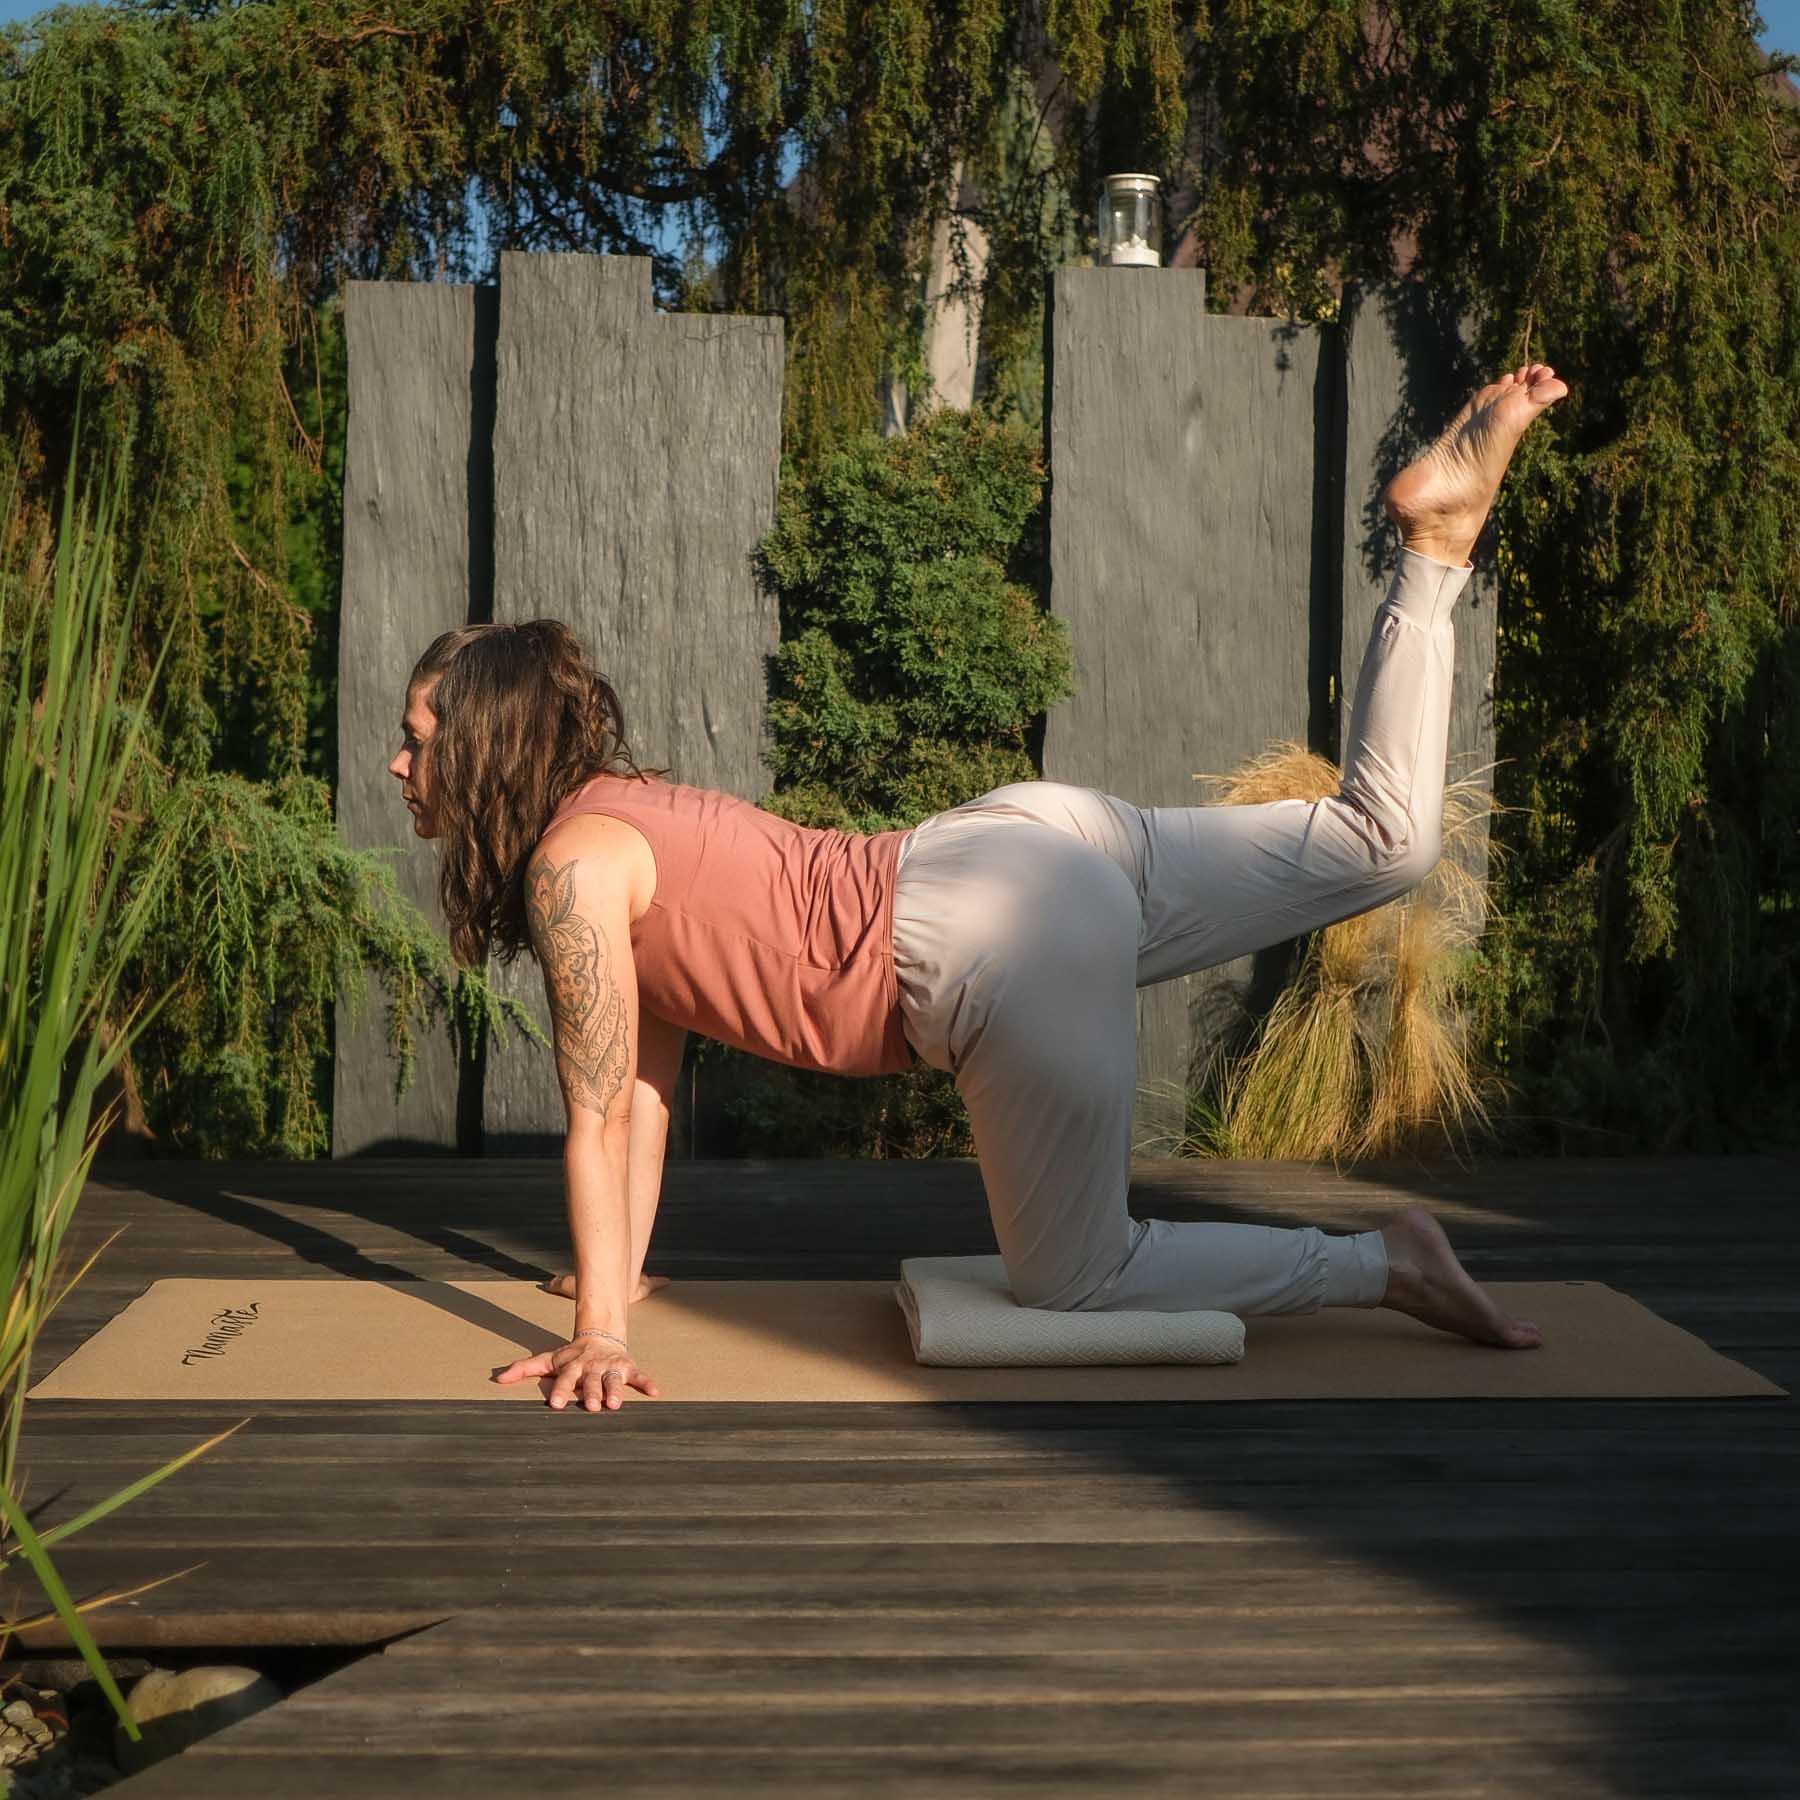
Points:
[(589, 1370), (564, 1285)]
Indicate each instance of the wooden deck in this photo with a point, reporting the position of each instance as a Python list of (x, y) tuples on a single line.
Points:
[(1296, 1599)]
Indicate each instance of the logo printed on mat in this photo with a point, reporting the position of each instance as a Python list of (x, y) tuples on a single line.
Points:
[(225, 1325)]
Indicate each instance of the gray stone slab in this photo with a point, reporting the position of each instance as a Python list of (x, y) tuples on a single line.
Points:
[(416, 371), (1406, 371), (637, 457), (1187, 560)]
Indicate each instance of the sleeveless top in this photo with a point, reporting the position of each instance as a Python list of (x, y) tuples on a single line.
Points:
[(773, 937)]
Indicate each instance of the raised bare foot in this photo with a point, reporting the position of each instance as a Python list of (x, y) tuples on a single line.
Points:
[(1426, 1282), (564, 1286), (1441, 501)]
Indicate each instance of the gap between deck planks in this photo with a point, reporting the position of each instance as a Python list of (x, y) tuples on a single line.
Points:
[(1405, 1599)]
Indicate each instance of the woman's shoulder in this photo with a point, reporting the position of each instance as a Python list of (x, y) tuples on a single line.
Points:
[(613, 850)]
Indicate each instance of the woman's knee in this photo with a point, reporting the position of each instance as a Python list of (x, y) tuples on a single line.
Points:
[(1402, 846), (1410, 862), (1043, 1296), (1055, 1287)]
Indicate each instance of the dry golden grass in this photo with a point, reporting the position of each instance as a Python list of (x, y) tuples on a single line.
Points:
[(1368, 1051)]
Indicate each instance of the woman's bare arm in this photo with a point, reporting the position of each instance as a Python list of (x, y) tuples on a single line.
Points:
[(580, 923)]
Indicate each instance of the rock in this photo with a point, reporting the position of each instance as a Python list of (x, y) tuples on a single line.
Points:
[(31, 1753), (18, 1712), (30, 1719), (176, 1708)]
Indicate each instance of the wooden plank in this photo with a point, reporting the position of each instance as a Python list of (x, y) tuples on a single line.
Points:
[(1189, 1725), (882, 1442), (256, 1595), (1539, 1190), (1279, 1767), (1126, 1508), (1440, 1598), (1549, 1580)]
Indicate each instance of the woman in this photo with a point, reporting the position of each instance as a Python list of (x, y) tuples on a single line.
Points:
[(1002, 940)]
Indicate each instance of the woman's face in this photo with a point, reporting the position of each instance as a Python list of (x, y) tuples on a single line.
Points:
[(413, 764)]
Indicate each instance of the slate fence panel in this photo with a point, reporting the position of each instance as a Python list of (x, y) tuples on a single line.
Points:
[(637, 457), (416, 563), (1218, 550), (556, 447)]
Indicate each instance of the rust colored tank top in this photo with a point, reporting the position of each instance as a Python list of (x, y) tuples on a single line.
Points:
[(773, 937)]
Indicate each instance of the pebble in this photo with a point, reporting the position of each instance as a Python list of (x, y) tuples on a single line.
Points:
[(36, 1756), (29, 1722), (176, 1708)]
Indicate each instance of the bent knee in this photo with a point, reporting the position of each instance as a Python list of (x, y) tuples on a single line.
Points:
[(1400, 847), (1408, 864), (1045, 1296), (1066, 1289)]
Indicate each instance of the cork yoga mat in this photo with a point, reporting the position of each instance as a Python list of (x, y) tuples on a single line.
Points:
[(338, 1339)]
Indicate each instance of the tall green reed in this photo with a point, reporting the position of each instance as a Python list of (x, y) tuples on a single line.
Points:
[(67, 928)]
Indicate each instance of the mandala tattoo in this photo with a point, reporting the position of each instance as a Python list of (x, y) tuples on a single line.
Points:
[(586, 1007)]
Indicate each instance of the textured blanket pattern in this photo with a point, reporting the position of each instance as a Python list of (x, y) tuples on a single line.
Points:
[(962, 1314)]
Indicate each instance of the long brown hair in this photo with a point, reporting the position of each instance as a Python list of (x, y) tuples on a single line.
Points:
[(523, 720)]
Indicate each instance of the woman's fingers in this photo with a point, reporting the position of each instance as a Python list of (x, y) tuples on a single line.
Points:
[(568, 1382), (578, 1372), (541, 1364), (598, 1386)]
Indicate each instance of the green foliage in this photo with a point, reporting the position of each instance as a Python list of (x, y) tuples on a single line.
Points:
[(912, 662), (1611, 186), (68, 919), (184, 188), (270, 919), (915, 655), (68, 922), (249, 917)]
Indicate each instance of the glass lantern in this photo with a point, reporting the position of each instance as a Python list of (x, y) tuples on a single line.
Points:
[(1131, 221)]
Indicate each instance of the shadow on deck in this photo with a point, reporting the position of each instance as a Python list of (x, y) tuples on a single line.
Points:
[(1296, 1598)]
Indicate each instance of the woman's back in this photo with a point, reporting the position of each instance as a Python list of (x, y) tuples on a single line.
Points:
[(773, 937)]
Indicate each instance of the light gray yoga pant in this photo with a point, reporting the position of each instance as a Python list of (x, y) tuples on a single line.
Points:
[(1025, 920)]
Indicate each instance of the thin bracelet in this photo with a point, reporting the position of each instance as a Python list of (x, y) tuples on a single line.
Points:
[(595, 1331)]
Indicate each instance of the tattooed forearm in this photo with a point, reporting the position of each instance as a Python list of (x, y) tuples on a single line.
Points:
[(592, 1050)]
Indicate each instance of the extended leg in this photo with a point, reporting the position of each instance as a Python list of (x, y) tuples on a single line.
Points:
[(1221, 881)]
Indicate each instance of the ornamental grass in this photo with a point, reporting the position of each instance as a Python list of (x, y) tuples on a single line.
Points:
[(68, 924), (1370, 1049)]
